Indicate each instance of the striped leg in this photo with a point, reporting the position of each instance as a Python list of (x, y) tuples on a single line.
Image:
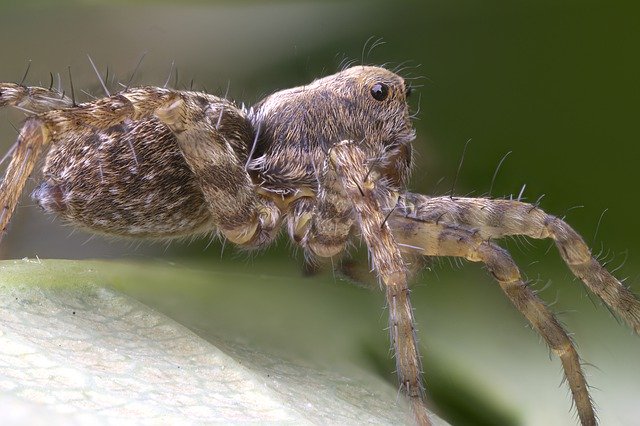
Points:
[(212, 135), (448, 240), (329, 225), (499, 218), (351, 166), (32, 139), (32, 100), (45, 128)]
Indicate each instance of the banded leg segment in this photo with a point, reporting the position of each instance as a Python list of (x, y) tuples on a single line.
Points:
[(500, 218), (330, 222), (448, 240), (47, 127), (32, 100), (351, 166), (32, 139), (211, 134)]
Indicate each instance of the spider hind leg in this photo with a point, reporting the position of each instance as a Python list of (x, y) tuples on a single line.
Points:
[(496, 218), (32, 100), (457, 241), (31, 140)]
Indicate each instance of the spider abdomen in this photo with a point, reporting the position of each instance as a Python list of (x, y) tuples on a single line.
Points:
[(130, 180)]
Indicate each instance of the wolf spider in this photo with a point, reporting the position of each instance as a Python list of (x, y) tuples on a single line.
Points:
[(328, 161)]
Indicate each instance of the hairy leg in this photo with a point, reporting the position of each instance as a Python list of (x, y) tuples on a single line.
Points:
[(352, 169), (74, 130), (440, 239), (31, 140), (322, 222), (32, 100), (499, 218), (212, 135), (319, 234), (33, 137)]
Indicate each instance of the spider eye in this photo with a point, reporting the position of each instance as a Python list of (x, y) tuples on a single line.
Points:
[(379, 91), (408, 90)]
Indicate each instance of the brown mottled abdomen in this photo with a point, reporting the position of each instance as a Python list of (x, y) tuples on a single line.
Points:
[(130, 180)]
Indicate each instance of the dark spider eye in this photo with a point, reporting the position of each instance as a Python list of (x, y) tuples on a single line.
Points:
[(379, 91), (408, 90)]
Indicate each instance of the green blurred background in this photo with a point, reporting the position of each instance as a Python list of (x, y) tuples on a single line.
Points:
[(554, 83)]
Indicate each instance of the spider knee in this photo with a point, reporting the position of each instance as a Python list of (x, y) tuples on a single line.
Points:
[(172, 114), (317, 243), (499, 263), (259, 231), (570, 244), (11, 94)]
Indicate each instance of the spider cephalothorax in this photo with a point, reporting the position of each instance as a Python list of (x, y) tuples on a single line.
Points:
[(297, 127), (328, 161)]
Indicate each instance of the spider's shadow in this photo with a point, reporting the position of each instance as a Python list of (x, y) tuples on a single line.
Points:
[(452, 399)]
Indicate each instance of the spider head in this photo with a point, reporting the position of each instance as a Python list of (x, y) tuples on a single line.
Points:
[(364, 104), (378, 104), (377, 116)]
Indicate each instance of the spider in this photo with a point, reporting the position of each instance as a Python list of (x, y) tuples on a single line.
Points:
[(328, 161)]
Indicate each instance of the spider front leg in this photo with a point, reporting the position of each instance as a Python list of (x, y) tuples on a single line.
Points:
[(438, 239), (350, 164), (500, 218)]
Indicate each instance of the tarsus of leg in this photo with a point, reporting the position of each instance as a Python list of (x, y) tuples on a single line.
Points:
[(499, 218), (448, 240)]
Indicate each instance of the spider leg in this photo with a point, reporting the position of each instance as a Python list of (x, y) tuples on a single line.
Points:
[(327, 220), (211, 134), (46, 128), (299, 219), (320, 233), (349, 162), (32, 100), (438, 239), (500, 218), (332, 220), (32, 138), (50, 127)]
